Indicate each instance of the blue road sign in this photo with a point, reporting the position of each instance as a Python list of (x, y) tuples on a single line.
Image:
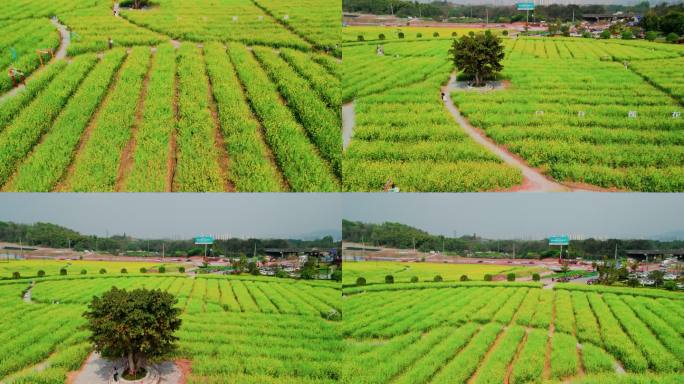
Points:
[(525, 6), (559, 240), (204, 240)]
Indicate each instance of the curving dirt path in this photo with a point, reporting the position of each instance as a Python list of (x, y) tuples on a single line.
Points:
[(348, 123), (65, 39), (533, 180)]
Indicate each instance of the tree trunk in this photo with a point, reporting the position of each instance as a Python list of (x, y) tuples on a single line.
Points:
[(477, 79), (131, 363)]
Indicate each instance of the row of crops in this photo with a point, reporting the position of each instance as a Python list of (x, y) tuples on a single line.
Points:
[(572, 48), (302, 24), (511, 334), (187, 119), (584, 121), (233, 330)]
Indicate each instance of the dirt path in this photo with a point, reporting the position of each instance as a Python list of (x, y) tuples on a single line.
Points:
[(27, 294), (533, 180), (219, 140), (65, 39), (348, 123)]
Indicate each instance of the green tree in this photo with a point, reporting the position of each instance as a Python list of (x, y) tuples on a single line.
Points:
[(414, 279), (16, 275), (673, 23), (650, 22), (124, 270), (41, 273), (605, 34), (487, 277), (672, 37), (335, 276), (633, 282), (657, 277), (162, 269), (565, 268), (83, 271), (438, 278), (138, 325), (627, 35), (389, 279), (252, 268), (62, 271), (510, 277), (536, 277), (143, 270), (102, 271), (181, 269), (464, 278), (478, 55), (651, 35), (360, 281)]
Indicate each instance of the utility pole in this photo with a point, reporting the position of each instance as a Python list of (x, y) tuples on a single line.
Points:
[(487, 13), (414, 245), (162, 251)]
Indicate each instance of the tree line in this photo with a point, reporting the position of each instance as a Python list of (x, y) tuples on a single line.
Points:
[(55, 236), (397, 235), (442, 10)]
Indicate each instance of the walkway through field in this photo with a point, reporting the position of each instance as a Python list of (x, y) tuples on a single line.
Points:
[(348, 123), (96, 370), (533, 180)]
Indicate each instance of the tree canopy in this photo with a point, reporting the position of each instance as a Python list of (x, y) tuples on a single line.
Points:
[(138, 325), (478, 55)]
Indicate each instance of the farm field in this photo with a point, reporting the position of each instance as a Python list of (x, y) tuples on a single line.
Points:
[(511, 332), (564, 109), (189, 99), (30, 268), (269, 331), (375, 271)]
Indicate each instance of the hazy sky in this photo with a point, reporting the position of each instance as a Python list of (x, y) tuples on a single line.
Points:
[(179, 215), (525, 215)]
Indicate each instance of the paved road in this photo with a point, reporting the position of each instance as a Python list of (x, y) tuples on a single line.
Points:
[(533, 180), (348, 123)]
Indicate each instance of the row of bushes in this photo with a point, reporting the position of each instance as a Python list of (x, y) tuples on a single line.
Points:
[(389, 279), (401, 35), (63, 271)]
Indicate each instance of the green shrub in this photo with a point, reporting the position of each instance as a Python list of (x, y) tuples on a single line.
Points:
[(651, 35), (16, 275), (83, 271), (143, 270), (505, 32), (281, 273), (181, 269), (586, 34), (414, 279), (335, 276), (389, 279), (672, 37), (41, 273), (124, 270), (162, 269), (438, 278), (360, 281), (488, 277), (435, 34), (400, 35), (333, 315), (419, 35), (536, 277), (454, 34), (102, 271), (62, 271), (670, 285), (627, 35), (359, 38), (605, 34), (464, 278), (381, 36), (510, 276)]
